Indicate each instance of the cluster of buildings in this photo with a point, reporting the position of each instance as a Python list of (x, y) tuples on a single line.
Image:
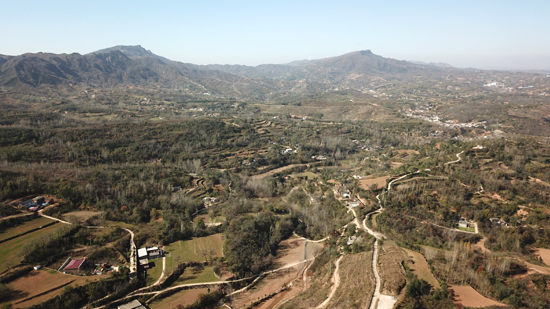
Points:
[(465, 223), (499, 222), (36, 203), (144, 254)]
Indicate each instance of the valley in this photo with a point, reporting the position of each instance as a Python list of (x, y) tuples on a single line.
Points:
[(355, 181)]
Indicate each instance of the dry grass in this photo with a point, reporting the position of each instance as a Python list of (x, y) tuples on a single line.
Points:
[(276, 171), (420, 267), (356, 282), (81, 216), (391, 271), (184, 298), (38, 282)]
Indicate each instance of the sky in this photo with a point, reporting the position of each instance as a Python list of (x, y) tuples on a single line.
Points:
[(479, 34)]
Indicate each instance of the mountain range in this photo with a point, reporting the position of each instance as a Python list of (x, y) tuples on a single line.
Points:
[(134, 65)]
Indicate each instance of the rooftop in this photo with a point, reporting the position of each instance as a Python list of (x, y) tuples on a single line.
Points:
[(142, 252), (74, 264)]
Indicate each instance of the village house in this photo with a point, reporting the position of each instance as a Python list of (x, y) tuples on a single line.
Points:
[(153, 252), (498, 222), (73, 266), (143, 258), (144, 254)]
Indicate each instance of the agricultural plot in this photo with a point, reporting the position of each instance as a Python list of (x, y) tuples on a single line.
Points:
[(153, 273), (380, 182), (390, 268), (11, 249), (309, 175), (420, 267), (194, 250), (196, 275), (469, 297), (41, 285), (27, 226), (80, 216), (183, 298), (357, 282)]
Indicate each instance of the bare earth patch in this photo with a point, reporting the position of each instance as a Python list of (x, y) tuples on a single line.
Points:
[(290, 251), (481, 246), (366, 184), (276, 171), (467, 296), (544, 255), (420, 267)]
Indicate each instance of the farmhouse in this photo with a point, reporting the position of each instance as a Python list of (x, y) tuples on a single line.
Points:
[(143, 258), (153, 252), (73, 266), (498, 222), (35, 203), (144, 254)]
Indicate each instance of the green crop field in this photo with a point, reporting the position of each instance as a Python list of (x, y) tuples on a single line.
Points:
[(153, 274), (10, 250), (193, 250), (192, 275), (27, 226)]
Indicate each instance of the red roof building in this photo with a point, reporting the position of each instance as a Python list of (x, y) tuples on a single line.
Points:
[(75, 265)]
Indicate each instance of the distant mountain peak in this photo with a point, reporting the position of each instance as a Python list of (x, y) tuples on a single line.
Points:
[(129, 50)]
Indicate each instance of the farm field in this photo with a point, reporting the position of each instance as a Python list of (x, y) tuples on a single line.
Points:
[(80, 216), (391, 272), (309, 175), (10, 250), (27, 226), (366, 184), (196, 275), (153, 274), (183, 298), (42, 281), (356, 282), (421, 268), (469, 297), (191, 250)]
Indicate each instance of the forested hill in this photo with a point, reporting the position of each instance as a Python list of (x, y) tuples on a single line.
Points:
[(134, 65)]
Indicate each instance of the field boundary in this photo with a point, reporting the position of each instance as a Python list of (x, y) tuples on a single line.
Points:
[(29, 231)]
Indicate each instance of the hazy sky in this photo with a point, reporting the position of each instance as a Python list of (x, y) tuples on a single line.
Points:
[(483, 34)]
